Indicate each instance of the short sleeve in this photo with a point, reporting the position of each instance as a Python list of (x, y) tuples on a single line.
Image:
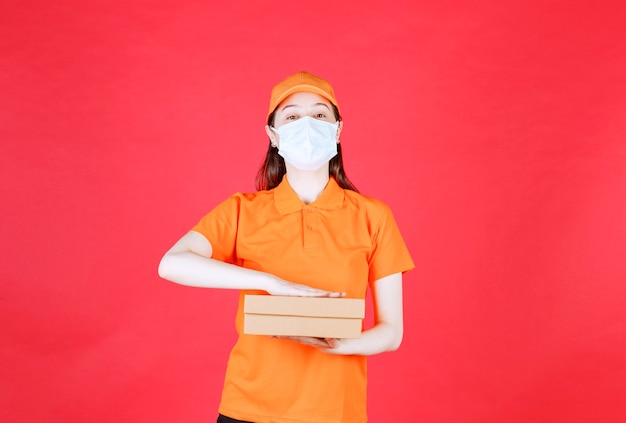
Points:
[(220, 226), (390, 254)]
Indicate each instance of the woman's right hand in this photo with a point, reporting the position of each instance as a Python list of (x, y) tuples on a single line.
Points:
[(281, 287)]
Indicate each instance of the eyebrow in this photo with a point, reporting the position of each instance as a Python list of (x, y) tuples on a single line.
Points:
[(297, 105)]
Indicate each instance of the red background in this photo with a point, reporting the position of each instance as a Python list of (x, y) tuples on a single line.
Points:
[(494, 130)]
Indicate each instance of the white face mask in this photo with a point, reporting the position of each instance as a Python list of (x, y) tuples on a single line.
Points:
[(307, 143)]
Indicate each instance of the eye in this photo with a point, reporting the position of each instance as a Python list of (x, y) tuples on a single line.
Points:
[(291, 117), (320, 116)]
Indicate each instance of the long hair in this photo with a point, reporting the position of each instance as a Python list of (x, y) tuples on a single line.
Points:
[(273, 169)]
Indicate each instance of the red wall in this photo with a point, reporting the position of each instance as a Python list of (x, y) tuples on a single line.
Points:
[(495, 131)]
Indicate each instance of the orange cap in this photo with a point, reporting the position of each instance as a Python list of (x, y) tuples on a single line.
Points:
[(301, 81)]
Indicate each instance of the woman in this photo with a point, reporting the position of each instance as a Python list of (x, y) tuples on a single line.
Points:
[(305, 232)]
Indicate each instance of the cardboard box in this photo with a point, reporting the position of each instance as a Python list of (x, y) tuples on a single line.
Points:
[(303, 316)]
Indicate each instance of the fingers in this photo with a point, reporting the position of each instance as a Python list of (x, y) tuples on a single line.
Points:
[(314, 292), (282, 287), (318, 293), (336, 294), (310, 341)]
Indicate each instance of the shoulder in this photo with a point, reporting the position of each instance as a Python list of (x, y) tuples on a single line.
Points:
[(237, 201), (364, 202), (372, 210), (250, 197)]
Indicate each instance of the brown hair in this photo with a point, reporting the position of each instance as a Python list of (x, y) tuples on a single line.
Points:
[(273, 169)]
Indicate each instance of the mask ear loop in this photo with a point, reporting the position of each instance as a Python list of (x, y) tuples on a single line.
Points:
[(272, 143)]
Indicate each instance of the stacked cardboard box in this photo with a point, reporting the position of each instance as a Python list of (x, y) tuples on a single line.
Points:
[(303, 316)]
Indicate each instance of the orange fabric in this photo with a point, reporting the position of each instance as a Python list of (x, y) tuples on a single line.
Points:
[(343, 241), (298, 82)]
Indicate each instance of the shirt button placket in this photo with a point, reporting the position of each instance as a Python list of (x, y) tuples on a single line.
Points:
[(310, 226)]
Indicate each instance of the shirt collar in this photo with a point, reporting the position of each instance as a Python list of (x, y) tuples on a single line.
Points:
[(287, 201)]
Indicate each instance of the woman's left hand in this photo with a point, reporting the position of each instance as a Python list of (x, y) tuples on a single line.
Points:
[(321, 343), (385, 335)]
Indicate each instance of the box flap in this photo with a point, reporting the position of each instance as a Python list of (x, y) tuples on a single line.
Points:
[(304, 306)]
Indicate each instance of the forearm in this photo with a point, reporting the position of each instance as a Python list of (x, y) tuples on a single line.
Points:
[(386, 334), (189, 268), (381, 338), (193, 269)]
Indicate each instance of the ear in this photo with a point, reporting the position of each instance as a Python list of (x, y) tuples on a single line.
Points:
[(273, 136), (339, 128)]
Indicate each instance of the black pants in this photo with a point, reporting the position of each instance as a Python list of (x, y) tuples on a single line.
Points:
[(224, 419)]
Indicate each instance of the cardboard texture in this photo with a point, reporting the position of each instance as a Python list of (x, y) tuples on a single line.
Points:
[(303, 316)]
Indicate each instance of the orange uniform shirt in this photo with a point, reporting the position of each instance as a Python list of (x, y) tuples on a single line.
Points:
[(343, 241)]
